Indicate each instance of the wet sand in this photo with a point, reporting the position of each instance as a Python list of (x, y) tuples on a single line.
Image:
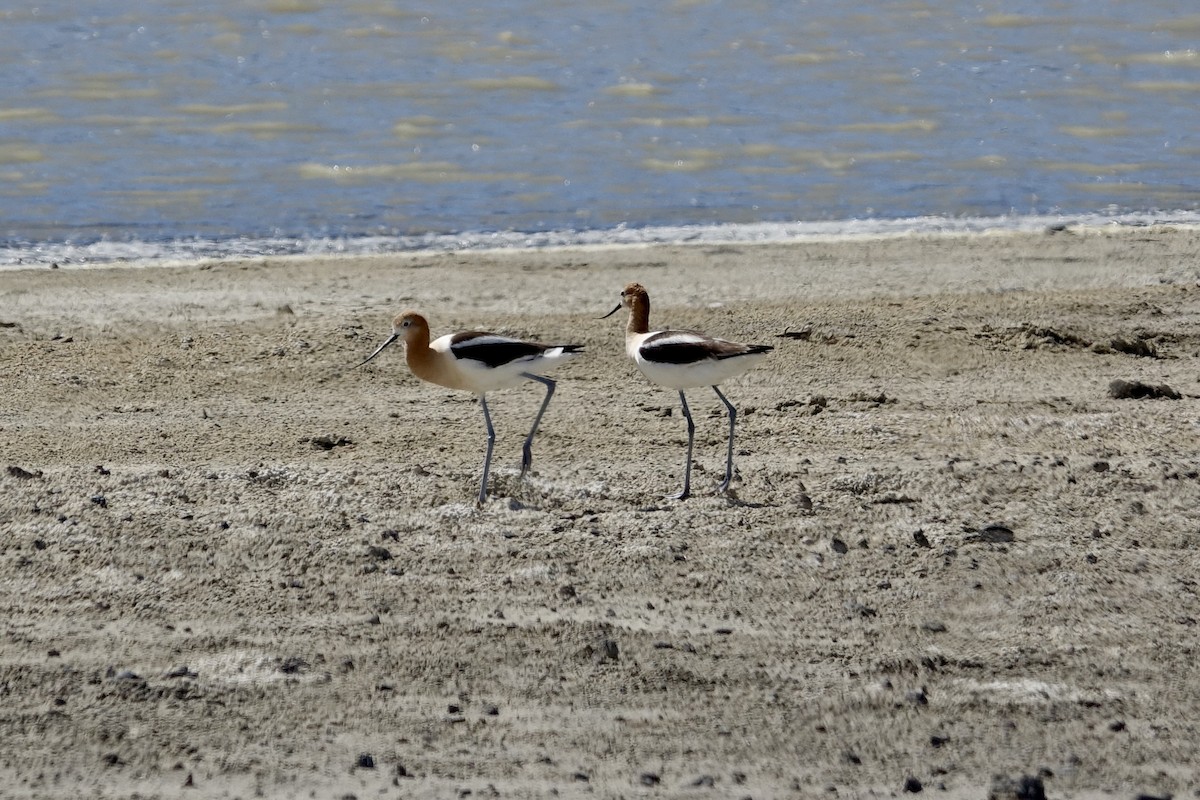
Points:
[(230, 562)]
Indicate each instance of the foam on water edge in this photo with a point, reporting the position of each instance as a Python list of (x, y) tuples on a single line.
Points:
[(133, 252)]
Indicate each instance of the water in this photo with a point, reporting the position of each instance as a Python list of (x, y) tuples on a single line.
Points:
[(175, 128)]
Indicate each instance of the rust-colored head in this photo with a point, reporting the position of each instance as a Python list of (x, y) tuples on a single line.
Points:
[(634, 297), (409, 326)]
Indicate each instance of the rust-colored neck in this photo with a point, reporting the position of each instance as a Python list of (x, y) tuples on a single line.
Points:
[(637, 300), (422, 360), (639, 315)]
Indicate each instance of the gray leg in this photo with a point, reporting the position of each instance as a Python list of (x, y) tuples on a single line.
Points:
[(527, 450), (724, 485), (687, 467), (487, 459)]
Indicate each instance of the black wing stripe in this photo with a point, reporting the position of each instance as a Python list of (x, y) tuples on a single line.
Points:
[(492, 350), (676, 352)]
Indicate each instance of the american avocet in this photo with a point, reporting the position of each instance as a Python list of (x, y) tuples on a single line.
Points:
[(479, 362), (685, 360)]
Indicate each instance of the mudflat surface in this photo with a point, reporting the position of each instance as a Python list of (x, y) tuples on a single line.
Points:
[(230, 562)]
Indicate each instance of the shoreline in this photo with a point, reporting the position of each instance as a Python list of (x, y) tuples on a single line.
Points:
[(184, 252)]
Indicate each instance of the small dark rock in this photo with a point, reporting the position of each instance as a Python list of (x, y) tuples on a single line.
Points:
[(293, 665), (857, 608), (704, 781), (1136, 390), (921, 539), (1027, 787), (377, 553), (649, 779), (994, 534), (365, 761), (607, 650), (21, 474), (1116, 726), (937, 740), (933, 626), (329, 442), (864, 397), (838, 546), (566, 592), (100, 500), (912, 785), (1142, 348)]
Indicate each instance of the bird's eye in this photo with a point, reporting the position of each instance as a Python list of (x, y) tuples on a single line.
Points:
[(406, 323)]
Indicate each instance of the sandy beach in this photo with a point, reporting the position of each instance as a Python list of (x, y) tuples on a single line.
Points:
[(953, 562)]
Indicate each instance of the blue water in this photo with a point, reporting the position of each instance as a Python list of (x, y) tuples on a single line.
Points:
[(153, 130)]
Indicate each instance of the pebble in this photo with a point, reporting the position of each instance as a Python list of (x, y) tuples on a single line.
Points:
[(1136, 390), (607, 650), (378, 553), (1027, 787), (994, 534)]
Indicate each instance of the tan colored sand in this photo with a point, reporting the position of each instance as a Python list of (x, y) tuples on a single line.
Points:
[(189, 587)]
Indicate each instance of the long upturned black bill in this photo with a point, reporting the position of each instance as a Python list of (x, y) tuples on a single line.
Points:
[(615, 310), (379, 349)]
